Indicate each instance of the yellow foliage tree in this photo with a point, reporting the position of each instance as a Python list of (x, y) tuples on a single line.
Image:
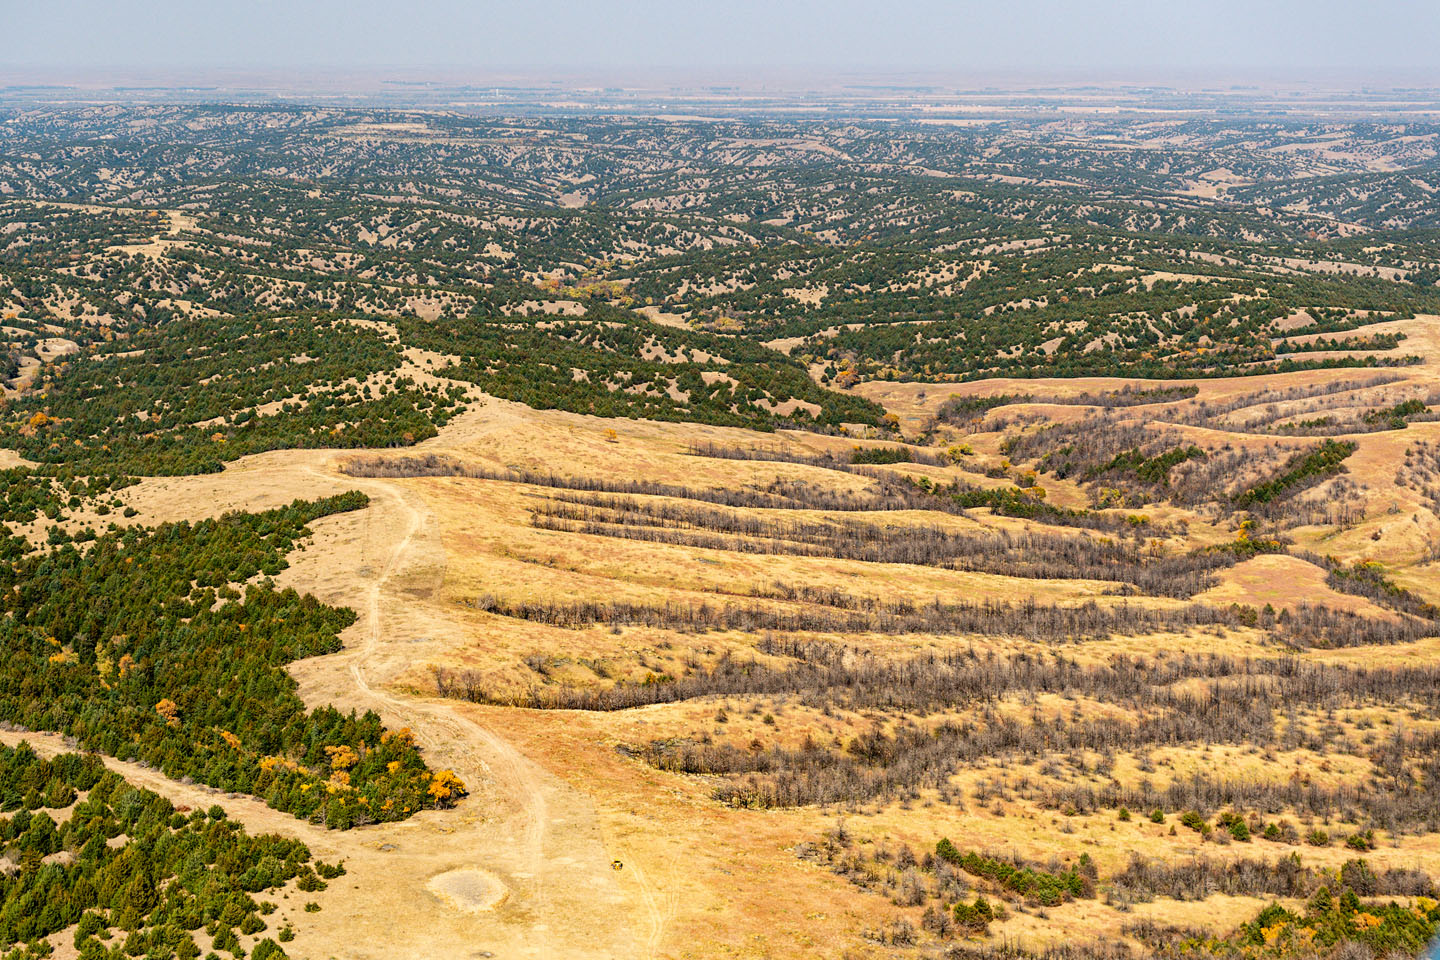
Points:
[(167, 709), (342, 757), (444, 785), (404, 735), (959, 452)]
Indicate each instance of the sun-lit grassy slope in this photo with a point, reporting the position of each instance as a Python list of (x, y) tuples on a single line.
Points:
[(672, 824), (714, 864), (751, 506)]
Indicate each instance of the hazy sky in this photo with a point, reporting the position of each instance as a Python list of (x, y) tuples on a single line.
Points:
[(964, 37)]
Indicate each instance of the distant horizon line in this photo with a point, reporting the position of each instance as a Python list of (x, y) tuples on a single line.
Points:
[(740, 76)]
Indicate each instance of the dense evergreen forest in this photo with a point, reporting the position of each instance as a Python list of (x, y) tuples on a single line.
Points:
[(901, 252), (133, 875), (168, 646)]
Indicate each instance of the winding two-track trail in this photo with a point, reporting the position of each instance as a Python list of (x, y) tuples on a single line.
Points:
[(535, 835), (524, 871)]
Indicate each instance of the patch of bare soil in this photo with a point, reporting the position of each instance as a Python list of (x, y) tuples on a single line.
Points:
[(471, 890)]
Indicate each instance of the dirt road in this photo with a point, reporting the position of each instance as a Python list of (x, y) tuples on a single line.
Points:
[(523, 869)]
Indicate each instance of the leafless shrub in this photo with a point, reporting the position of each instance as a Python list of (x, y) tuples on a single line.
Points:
[(1034, 554)]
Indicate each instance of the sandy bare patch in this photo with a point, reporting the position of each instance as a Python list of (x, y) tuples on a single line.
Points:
[(810, 296), (654, 313), (471, 890), (55, 347)]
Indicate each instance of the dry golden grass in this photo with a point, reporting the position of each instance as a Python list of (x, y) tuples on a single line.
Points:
[(554, 802), (1284, 582)]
